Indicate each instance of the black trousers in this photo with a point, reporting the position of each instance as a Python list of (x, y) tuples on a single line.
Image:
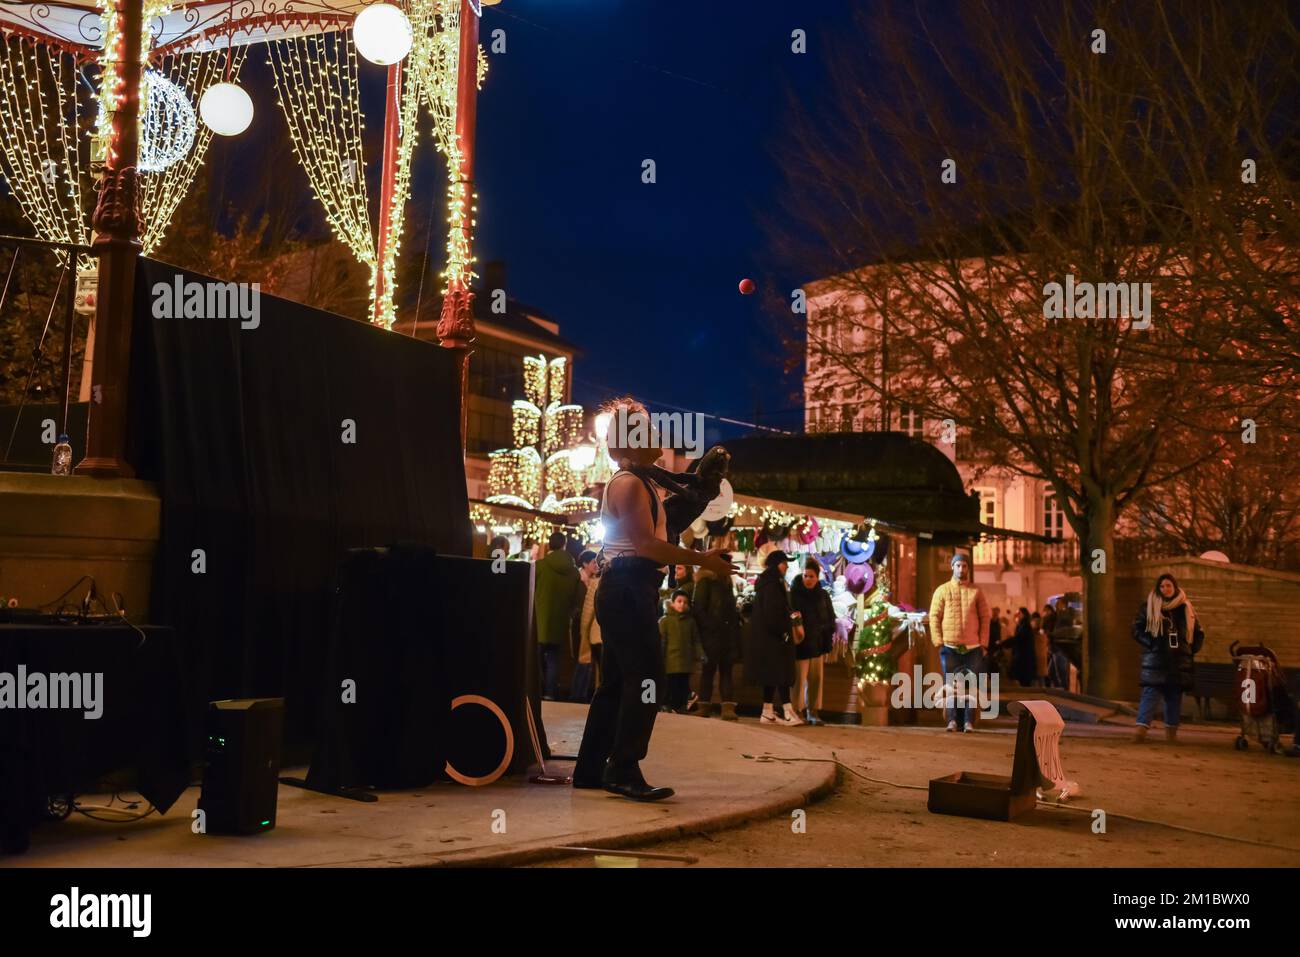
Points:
[(622, 714)]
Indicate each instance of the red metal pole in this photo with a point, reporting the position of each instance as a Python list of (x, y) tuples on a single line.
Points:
[(116, 223), (388, 180), (456, 324)]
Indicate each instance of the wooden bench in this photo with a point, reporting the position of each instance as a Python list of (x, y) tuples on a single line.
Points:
[(1211, 681), (1219, 681)]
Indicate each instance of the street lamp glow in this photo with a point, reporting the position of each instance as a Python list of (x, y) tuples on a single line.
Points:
[(226, 109), (602, 425), (382, 34), (583, 457)]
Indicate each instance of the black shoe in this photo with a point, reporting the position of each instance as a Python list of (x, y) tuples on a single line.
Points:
[(639, 791), (583, 784)]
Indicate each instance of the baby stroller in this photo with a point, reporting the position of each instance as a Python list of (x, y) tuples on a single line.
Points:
[(1261, 695)]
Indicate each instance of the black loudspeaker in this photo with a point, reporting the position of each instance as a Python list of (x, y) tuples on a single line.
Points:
[(418, 639), (241, 774)]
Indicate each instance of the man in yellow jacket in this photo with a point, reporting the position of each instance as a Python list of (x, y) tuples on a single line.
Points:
[(959, 628)]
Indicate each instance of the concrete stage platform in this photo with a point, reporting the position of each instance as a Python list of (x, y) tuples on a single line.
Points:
[(724, 774)]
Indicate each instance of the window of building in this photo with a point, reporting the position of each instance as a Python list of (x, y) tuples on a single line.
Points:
[(988, 505), (910, 421), (496, 371), (1053, 516), (487, 430)]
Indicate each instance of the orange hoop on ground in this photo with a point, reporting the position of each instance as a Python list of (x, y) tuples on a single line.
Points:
[(510, 743)]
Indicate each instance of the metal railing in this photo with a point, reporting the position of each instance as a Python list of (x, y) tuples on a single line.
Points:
[(1015, 551)]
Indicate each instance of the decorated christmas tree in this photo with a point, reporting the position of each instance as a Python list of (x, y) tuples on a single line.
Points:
[(875, 651)]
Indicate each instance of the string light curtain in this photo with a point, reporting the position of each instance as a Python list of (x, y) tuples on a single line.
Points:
[(317, 88), (436, 61), (42, 108), (408, 135), (162, 190)]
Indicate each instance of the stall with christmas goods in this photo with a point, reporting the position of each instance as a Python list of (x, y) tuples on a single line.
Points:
[(911, 511), (857, 561)]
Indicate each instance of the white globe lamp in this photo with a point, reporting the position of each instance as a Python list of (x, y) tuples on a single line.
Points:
[(382, 34), (226, 109)]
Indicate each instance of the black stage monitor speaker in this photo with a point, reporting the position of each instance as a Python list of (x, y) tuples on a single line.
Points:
[(241, 775)]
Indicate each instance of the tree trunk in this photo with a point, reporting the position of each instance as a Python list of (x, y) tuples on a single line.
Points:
[(1100, 662)]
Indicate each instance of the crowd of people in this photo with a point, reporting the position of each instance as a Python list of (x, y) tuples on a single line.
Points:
[(782, 633), (1025, 648)]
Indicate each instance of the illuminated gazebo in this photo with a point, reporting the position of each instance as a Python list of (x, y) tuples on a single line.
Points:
[(107, 110)]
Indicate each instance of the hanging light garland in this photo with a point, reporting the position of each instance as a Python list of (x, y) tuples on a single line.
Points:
[(408, 135), (437, 56), (161, 192), (46, 164), (526, 424), (40, 113), (317, 89)]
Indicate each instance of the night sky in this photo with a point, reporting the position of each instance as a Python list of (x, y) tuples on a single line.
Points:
[(644, 277)]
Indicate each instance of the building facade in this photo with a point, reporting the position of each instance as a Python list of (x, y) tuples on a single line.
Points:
[(1011, 571)]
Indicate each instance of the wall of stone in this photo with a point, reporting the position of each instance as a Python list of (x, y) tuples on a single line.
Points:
[(1234, 602)]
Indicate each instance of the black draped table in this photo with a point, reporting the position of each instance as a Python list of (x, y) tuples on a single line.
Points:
[(145, 723)]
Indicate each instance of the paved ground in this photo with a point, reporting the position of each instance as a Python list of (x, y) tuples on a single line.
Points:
[(1201, 783), (738, 785), (714, 765)]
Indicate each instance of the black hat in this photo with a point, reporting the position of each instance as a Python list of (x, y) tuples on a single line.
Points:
[(775, 558)]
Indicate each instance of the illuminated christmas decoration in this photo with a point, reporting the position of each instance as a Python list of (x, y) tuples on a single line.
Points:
[(562, 481), (227, 109), (193, 51), (317, 88), (382, 34), (47, 160), (42, 156), (161, 192), (549, 464), (167, 128), (535, 380), (563, 427), (526, 425)]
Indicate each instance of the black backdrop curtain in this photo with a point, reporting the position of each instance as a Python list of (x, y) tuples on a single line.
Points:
[(243, 430)]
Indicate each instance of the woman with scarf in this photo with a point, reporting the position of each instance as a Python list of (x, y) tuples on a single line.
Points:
[(1169, 632)]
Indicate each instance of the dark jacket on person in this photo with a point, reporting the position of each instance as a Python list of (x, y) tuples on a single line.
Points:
[(1167, 657), (714, 607), (1023, 662), (555, 596), (769, 656), (681, 640), (818, 619)]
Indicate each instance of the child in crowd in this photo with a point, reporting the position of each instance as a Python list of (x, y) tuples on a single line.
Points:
[(682, 646)]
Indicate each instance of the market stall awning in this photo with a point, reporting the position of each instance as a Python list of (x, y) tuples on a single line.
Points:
[(821, 514), (887, 476)]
